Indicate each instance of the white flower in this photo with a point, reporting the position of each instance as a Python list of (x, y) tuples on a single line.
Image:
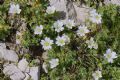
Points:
[(96, 18), (38, 29), (69, 23), (46, 43), (50, 9), (110, 55), (53, 63), (67, 39), (45, 67), (82, 30), (97, 74), (23, 64), (92, 44), (58, 25), (60, 41), (92, 12), (14, 9)]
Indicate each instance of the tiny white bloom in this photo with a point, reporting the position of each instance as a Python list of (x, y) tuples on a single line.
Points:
[(92, 44), (96, 18), (38, 29), (14, 9), (58, 25), (46, 43), (110, 55), (50, 9), (97, 74), (60, 40), (92, 12), (53, 63), (45, 67), (23, 64), (67, 39), (82, 30), (69, 23)]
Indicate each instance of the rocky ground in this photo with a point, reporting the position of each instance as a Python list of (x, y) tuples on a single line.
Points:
[(9, 50)]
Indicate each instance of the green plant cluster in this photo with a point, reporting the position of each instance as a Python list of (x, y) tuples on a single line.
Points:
[(76, 61)]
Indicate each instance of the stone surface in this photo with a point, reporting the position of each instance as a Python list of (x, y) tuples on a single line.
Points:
[(10, 55), (117, 2), (2, 45), (71, 10), (12, 71), (79, 13), (34, 73), (7, 55)]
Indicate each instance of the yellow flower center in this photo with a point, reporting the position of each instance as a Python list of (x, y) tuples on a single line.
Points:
[(47, 43), (97, 17), (62, 41), (109, 56)]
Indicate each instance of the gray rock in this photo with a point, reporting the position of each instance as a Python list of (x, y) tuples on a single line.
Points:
[(12, 71), (7, 55), (117, 2), (79, 13), (72, 10), (34, 73), (10, 55), (2, 45)]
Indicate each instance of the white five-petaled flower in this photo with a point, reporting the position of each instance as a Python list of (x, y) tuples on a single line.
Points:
[(82, 30), (50, 9), (67, 39), (53, 63), (60, 40), (38, 29), (97, 74), (92, 44), (14, 9), (92, 12), (47, 43), (58, 25), (110, 55), (95, 17), (69, 23)]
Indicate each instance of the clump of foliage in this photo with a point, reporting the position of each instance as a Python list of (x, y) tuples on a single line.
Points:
[(76, 60), (4, 27)]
